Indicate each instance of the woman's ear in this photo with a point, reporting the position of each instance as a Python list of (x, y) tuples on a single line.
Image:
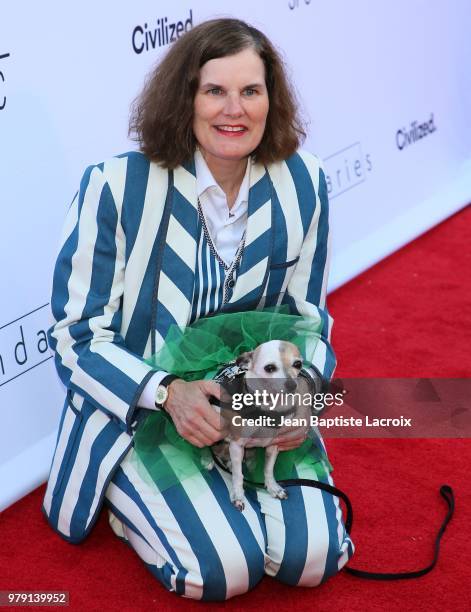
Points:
[(244, 360)]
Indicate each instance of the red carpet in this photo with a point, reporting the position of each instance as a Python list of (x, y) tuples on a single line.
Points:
[(408, 316)]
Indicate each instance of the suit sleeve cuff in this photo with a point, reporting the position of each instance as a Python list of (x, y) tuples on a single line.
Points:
[(147, 397)]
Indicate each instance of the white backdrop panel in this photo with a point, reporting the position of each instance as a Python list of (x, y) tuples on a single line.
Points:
[(368, 75)]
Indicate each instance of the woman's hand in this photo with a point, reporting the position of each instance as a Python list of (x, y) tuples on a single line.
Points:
[(289, 437), (194, 417)]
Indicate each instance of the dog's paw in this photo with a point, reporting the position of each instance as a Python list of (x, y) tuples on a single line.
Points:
[(276, 491), (239, 504), (237, 500)]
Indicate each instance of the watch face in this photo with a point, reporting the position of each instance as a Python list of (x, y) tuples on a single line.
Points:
[(161, 394)]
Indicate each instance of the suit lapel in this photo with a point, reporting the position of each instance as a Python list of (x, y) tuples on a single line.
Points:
[(176, 266), (255, 262)]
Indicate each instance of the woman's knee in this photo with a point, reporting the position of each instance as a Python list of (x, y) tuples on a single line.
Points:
[(312, 565), (328, 561), (215, 580), (238, 577)]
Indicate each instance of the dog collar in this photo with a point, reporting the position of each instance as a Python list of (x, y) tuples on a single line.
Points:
[(233, 375), (229, 372)]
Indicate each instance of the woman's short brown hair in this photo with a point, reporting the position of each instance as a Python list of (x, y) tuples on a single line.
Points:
[(162, 115)]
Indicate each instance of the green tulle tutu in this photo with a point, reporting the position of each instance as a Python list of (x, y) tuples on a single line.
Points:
[(198, 352)]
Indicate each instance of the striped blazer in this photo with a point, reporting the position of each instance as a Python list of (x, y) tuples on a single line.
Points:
[(125, 273)]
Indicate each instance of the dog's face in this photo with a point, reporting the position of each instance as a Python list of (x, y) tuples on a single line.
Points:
[(276, 364)]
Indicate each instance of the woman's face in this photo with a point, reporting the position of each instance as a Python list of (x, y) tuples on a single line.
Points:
[(231, 106)]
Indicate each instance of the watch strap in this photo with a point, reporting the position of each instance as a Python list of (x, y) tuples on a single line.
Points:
[(166, 380)]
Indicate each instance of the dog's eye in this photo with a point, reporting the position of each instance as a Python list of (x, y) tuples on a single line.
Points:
[(271, 367), (298, 364)]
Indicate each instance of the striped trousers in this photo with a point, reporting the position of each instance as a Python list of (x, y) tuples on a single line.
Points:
[(198, 545)]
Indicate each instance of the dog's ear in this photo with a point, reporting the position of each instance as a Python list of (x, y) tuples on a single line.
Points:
[(244, 360)]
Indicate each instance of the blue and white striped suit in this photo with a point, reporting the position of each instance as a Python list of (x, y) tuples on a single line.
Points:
[(126, 271)]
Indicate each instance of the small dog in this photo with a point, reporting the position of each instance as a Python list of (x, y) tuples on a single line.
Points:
[(272, 367)]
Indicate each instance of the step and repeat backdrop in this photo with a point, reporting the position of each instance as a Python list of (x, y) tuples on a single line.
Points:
[(385, 87)]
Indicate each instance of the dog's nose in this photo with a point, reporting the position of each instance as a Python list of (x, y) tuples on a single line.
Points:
[(290, 385)]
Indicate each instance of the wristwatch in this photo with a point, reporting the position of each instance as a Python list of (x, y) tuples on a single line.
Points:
[(161, 393)]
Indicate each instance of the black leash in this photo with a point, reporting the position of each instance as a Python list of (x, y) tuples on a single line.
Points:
[(445, 491)]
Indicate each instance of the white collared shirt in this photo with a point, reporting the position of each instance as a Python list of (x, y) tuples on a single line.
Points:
[(226, 228)]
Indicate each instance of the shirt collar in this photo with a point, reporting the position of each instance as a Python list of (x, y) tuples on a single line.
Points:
[(205, 179)]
